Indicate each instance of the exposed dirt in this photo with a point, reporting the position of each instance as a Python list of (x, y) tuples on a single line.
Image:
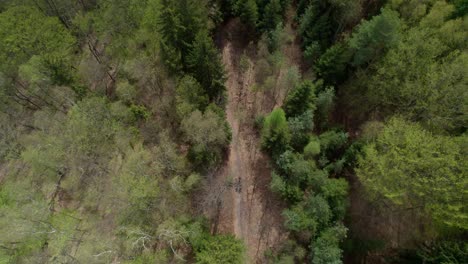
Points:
[(245, 206), (249, 211)]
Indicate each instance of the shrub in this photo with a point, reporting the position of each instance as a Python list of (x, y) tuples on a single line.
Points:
[(275, 132), (219, 249)]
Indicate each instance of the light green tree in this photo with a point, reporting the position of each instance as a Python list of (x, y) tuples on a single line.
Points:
[(190, 96), (418, 170), (25, 31), (208, 134), (220, 249), (275, 132)]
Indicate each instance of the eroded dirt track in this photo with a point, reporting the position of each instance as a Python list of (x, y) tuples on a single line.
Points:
[(248, 209), (237, 197)]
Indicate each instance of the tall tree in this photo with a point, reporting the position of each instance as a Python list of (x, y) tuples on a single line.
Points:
[(275, 132), (25, 31), (171, 29), (418, 170), (272, 16), (375, 36), (180, 22), (247, 11), (301, 99), (204, 63)]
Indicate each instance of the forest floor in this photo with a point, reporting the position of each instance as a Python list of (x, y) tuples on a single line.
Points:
[(247, 208)]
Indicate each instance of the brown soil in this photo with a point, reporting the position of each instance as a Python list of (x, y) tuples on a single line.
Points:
[(244, 205)]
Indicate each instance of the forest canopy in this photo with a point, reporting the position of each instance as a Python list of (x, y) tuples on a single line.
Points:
[(233, 131)]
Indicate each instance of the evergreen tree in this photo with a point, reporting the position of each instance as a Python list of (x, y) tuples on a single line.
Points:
[(332, 66), (275, 132), (301, 99), (180, 22), (272, 16), (204, 63), (375, 36), (171, 29), (248, 12)]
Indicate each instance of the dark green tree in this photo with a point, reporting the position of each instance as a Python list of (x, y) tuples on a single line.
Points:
[(204, 63), (179, 24), (272, 16), (171, 30), (332, 66), (300, 100), (247, 10), (374, 37)]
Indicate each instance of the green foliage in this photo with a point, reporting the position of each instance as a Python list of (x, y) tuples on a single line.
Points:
[(247, 11), (289, 192), (375, 36), (25, 31), (190, 96), (301, 128), (326, 249), (335, 191), (461, 8), (126, 92), (275, 132), (135, 181), (332, 65), (296, 219), (179, 24), (23, 223), (444, 252), (320, 22), (315, 27), (317, 207), (294, 167), (300, 100), (325, 105), (272, 15), (219, 249), (208, 134), (140, 112), (205, 65), (413, 168), (312, 149), (422, 77), (332, 141)]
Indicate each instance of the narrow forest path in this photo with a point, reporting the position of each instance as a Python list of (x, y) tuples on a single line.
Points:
[(249, 210)]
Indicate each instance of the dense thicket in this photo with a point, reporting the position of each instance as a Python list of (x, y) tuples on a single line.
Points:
[(401, 73), (110, 113), (303, 164), (112, 116)]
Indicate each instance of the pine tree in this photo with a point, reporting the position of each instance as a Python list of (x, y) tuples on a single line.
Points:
[(300, 100), (272, 15), (171, 30), (275, 133), (180, 22), (204, 63), (248, 12)]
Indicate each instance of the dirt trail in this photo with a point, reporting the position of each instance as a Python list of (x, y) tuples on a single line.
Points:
[(247, 209)]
